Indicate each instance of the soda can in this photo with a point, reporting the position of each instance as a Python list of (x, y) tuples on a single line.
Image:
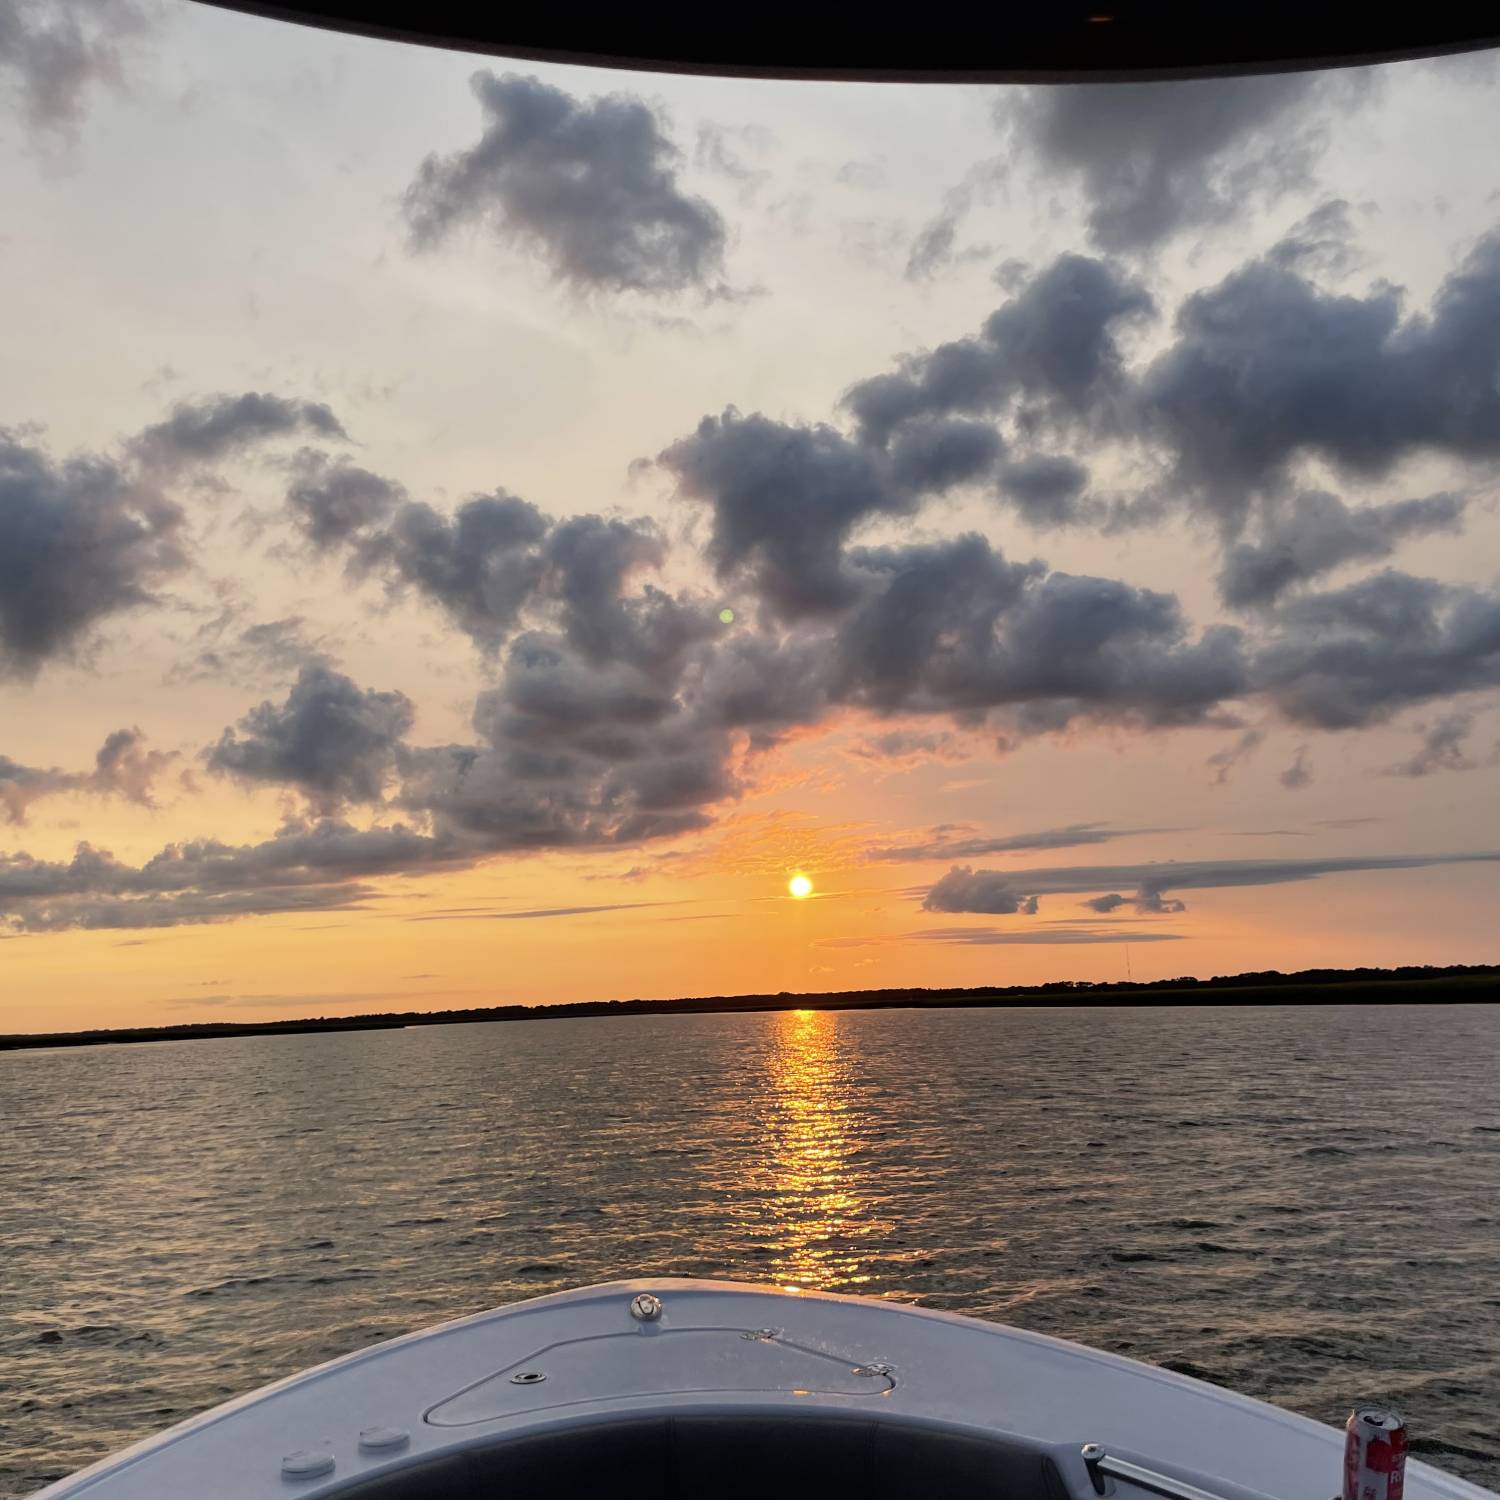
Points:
[(1374, 1454)]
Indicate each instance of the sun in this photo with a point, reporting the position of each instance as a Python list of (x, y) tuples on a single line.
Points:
[(800, 887)]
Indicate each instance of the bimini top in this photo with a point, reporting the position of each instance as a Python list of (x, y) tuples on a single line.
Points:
[(668, 1389), (1054, 42)]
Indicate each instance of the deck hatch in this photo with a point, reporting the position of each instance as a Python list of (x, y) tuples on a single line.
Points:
[(672, 1362)]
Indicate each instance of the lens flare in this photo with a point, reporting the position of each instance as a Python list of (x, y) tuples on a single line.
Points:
[(800, 887)]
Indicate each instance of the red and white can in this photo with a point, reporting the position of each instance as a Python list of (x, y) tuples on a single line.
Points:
[(1374, 1454)]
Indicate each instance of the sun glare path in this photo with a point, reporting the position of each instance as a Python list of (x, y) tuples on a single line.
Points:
[(800, 887)]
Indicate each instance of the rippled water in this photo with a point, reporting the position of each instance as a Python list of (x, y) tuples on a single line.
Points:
[(1302, 1204)]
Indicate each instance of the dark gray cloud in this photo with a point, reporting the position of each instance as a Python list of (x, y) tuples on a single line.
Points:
[(87, 538), (480, 565), (53, 53), (1153, 160), (954, 628), (1054, 346), (784, 500), (214, 427), (1145, 902), (1046, 488), (1317, 533), (1266, 368), (578, 752), (993, 892), (331, 740), (966, 889), (332, 500), (1441, 748), (590, 563), (81, 541), (1348, 657), (306, 867), (590, 187)]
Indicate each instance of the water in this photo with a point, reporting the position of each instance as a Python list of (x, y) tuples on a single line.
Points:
[(1301, 1204)]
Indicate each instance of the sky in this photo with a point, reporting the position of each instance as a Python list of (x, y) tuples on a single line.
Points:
[(472, 533)]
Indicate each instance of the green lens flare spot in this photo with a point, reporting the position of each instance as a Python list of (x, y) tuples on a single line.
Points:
[(726, 616)]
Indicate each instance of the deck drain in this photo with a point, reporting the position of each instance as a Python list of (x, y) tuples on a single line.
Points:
[(528, 1377)]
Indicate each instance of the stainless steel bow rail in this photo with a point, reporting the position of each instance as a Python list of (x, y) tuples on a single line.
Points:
[(1101, 1463)]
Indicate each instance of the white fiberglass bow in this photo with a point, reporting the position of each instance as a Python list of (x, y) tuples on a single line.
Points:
[(695, 1388)]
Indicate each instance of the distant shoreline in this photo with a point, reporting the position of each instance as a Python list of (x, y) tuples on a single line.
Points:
[(1463, 983)]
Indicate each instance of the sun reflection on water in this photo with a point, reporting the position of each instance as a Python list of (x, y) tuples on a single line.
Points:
[(819, 1207)]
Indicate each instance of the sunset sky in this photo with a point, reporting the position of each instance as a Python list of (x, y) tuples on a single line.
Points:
[(471, 533)]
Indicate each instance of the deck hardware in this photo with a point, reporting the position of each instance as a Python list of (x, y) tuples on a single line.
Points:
[(878, 1367), (383, 1439), (1100, 1463), (646, 1308), (528, 1377), (306, 1463), (760, 1335)]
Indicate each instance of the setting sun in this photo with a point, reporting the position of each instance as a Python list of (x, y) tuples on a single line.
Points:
[(800, 887)]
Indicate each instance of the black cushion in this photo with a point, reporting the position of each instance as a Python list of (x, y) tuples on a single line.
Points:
[(785, 1457)]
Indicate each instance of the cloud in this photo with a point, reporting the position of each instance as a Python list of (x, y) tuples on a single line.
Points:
[(331, 500), (81, 541), (54, 52), (1441, 749), (1300, 773), (1224, 761), (1154, 160), (910, 746), (1054, 345), (214, 427), (480, 565), (1046, 488), (123, 768), (935, 247), (306, 867), (1318, 244), (90, 537), (330, 740), (1042, 936), (1318, 533), (964, 889), (275, 648), (591, 188), (944, 845), (538, 913), (1349, 657), (1145, 902), (953, 627), (1050, 937), (1266, 368), (785, 499)]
